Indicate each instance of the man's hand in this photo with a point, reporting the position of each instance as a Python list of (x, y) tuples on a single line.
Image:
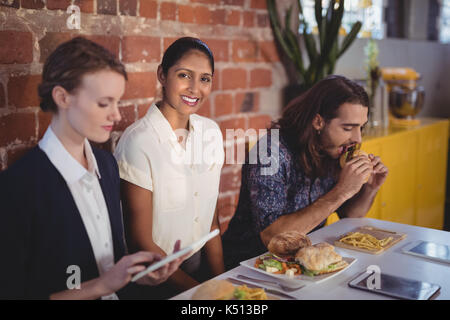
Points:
[(379, 174), (360, 204), (353, 175)]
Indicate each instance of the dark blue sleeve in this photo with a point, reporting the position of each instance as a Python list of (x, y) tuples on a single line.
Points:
[(14, 237), (268, 192)]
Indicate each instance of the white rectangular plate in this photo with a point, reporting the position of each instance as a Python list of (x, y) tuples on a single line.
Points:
[(250, 263)]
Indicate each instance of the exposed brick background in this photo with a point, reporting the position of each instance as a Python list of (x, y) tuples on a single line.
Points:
[(247, 83)]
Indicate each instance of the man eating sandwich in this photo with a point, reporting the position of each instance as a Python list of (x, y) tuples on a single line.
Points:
[(314, 131)]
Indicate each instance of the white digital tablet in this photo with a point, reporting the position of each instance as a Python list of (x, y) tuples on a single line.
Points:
[(394, 286), (177, 254), (428, 250)]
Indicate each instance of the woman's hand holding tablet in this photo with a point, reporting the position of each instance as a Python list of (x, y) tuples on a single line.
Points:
[(176, 255)]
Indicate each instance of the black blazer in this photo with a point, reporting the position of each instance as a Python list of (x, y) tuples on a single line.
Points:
[(41, 230)]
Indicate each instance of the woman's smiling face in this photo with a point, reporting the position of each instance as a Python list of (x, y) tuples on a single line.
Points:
[(187, 83)]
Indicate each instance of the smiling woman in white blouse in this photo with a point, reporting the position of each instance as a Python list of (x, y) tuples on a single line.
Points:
[(170, 163), (61, 231)]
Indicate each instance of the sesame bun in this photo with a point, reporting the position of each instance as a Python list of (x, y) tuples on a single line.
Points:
[(288, 243), (214, 290)]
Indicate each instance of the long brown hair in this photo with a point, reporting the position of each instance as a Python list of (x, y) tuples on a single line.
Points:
[(295, 125)]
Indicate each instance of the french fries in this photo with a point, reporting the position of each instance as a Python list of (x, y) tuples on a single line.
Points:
[(253, 293), (364, 240)]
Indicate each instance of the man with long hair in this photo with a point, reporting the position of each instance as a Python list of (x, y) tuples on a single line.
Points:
[(314, 131)]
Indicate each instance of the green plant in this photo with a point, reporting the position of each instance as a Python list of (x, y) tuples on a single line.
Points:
[(322, 58)]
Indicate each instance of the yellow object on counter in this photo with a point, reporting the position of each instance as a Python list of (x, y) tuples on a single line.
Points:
[(391, 74), (403, 123)]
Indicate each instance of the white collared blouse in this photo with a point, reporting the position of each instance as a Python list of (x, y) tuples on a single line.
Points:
[(184, 181)]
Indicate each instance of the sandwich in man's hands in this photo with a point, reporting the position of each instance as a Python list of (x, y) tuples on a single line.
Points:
[(351, 152), (319, 259)]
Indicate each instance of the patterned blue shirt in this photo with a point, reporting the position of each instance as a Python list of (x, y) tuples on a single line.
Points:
[(265, 198)]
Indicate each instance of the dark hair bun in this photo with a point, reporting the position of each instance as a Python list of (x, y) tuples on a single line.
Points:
[(182, 46)]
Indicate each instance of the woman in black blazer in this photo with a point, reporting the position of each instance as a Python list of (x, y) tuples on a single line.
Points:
[(61, 228)]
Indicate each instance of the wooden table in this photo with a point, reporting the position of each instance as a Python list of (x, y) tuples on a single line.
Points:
[(393, 262)]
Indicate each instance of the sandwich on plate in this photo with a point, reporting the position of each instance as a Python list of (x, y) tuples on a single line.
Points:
[(319, 259), (285, 245), (281, 257)]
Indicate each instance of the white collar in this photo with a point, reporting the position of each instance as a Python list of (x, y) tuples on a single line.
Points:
[(162, 126), (65, 163)]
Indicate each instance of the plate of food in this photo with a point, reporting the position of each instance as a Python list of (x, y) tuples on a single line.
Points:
[(215, 289), (369, 239), (292, 258)]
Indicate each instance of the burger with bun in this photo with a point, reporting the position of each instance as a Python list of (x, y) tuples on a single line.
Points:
[(286, 244), (215, 289), (350, 153), (319, 259)]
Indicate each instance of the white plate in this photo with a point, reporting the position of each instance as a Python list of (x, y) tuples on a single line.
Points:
[(299, 278)]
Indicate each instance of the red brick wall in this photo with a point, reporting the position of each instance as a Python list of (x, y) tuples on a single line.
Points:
[(246, 85)]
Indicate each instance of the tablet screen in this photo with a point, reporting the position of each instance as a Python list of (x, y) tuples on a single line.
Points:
[(177, 254), (433, 250), (399, 287)]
